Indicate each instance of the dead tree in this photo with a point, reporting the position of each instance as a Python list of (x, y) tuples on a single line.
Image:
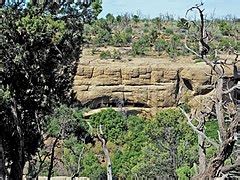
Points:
[(106, 153), (221, 108), (102, 139), (2, 172)]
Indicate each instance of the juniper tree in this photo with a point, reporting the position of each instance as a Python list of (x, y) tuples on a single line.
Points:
[(41, 44)]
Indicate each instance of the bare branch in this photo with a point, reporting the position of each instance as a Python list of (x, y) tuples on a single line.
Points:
[(195, 7), (232, 89), (197, 131), (234, 167), (106, 153), (79, 160), (191, 50), (90, 127), (236, 58)]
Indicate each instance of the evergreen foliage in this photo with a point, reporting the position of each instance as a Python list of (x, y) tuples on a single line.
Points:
[(41, 45)]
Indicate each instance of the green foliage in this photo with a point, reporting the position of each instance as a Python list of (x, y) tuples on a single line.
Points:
[(169, 31), (103, 36), (185, 172), (105, 55), (143, 34), (46, 25), (228, 43), (173, 46), (225, 28), (171, 120), (122, 38), (143, 145), (116, 54), (100, 33), (119, 18), (39, 49), (158, 22), (110, 18), (114, 124), (153, 36), (71, 154), (130, 157), (68, 127), (92, 167), (96, 7), (183, 24), (175, 138), (139, 47), (65, 121), (135, 18), (4, 96), (137, 146), (160, 46), (211, 129)]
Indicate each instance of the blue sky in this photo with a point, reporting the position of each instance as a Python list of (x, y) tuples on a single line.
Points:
[(152, 8)]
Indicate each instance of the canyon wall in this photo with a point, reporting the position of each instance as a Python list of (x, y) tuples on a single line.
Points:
[(141, 82)]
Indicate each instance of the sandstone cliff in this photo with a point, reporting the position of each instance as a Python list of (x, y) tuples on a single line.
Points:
[(141, 82)]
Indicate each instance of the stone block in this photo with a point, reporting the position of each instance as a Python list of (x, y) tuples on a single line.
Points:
[(145, 76), (156, 76), (42, 178), (170, 74), (59, 178), (134, 73), (98, 71), (142, 70)]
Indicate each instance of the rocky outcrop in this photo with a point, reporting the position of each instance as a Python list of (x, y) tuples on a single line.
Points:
[(142, 82)]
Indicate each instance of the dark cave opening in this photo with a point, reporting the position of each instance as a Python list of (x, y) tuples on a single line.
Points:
[(188, 84)]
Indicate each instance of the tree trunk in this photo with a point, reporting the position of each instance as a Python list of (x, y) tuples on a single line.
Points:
[(219, 109), (107, 156), (18, 163), (16, 172), (201, 149), (201, 154), (2, 165), (225, 151), (52, 158), (173, 156)]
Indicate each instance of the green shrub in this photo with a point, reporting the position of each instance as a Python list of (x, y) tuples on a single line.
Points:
[(174, 46), (102, 37), (168, 31), (185, 172), (183, 24), (105, 55), (153, 36), (122, 38), (92, 167), (128, 30), (140, 46), (135, 18), (119, 18), (110, 18), (34, 24), (170, 127), (158, 22), (160, 46), (225, 28), (114, 124), (116, 54), (226, 43)]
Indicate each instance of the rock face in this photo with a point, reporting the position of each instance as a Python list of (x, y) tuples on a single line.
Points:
[(142, 82)]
